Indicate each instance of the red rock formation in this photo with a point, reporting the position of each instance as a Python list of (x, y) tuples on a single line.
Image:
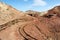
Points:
[(24, 27)]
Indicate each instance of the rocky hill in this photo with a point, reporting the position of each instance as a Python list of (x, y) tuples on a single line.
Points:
[(29, 25)]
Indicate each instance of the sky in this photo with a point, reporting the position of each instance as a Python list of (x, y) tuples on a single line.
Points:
[(36, 5)]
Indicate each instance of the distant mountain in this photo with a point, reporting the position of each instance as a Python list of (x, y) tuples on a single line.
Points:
[(29, 25)]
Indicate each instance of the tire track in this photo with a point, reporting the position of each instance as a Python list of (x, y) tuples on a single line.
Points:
[(24, 34), (27, 36)]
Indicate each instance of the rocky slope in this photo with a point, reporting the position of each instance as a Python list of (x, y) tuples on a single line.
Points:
[(29, 25)]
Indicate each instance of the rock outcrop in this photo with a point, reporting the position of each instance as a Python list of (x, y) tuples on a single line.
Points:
[(31, 25)]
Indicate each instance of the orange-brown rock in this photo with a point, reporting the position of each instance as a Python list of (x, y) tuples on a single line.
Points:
[(15, 25)]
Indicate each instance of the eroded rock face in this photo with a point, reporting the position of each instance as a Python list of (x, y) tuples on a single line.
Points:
[(21, 26)]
